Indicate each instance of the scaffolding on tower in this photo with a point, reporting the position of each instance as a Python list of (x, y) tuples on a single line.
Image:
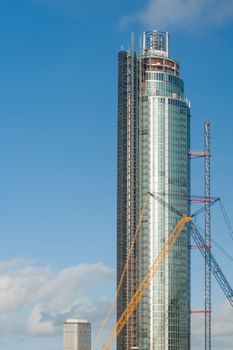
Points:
[(207, 237)]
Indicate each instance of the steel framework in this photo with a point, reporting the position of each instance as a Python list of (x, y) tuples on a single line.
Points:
[(207, 218), (207, 237)]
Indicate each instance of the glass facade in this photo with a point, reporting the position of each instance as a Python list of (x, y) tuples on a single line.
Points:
[(160, 166)]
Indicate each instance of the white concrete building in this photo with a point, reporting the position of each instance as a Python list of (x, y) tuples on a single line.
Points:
[(77, 334)]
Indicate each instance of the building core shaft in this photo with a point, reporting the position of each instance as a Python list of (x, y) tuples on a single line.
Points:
[(153, 156)]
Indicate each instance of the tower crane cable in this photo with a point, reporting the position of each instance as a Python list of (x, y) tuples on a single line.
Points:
[(199, 240), (223, 250), (134, 301), (202, 209), (215, 268), (130, 251), (227, 221), (157, 263), (228, 255)]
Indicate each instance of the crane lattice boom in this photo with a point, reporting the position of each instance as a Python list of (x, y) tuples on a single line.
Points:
[(146, 282)]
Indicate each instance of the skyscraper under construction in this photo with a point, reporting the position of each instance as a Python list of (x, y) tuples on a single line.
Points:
[(153, 156)]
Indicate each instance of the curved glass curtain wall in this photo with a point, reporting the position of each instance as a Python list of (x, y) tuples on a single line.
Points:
[(164, 170)]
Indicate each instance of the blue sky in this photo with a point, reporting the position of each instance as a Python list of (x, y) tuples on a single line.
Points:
[(58, 108)]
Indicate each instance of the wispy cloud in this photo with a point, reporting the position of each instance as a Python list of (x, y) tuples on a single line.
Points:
[(163, 14), (35, 300), (222, 328)]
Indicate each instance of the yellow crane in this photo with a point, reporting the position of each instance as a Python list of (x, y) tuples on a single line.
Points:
[(129, 255), (134, 301)]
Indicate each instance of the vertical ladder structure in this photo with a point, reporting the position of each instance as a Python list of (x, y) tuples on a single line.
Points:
[(207, 237)]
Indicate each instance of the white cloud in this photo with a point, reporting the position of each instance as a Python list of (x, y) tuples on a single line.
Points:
[(36, 300), (163, 14), (222, 328), (223, 321), (37, 325)]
